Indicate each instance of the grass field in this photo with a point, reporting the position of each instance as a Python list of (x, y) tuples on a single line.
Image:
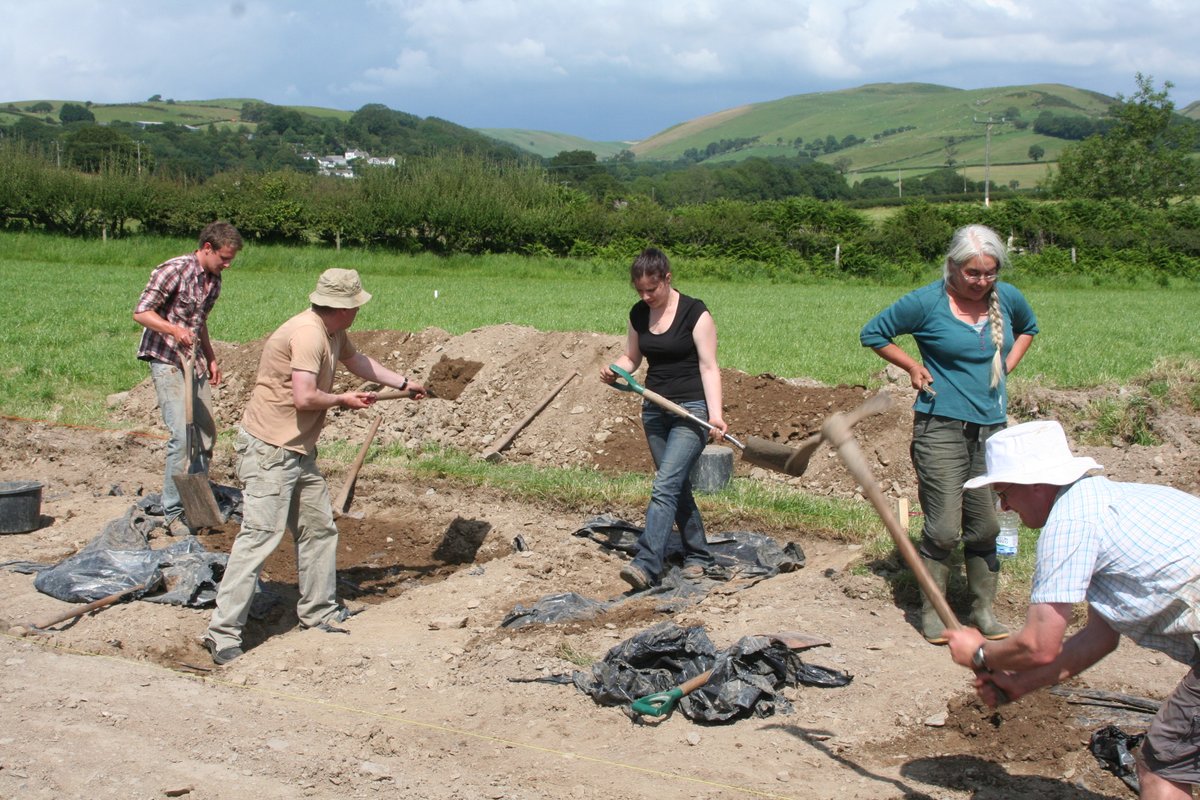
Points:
[(69, 338)]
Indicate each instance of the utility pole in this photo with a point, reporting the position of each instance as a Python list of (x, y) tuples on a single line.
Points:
[(987, 155), (900, 181)]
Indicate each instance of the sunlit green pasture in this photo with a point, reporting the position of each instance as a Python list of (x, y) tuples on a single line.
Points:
[(68, 338)]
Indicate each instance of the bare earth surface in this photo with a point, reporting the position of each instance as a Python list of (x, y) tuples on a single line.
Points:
[(416, 701)]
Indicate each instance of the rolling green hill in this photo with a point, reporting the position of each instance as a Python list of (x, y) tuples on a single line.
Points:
[(547, 144), (184, 112), (905, 126)]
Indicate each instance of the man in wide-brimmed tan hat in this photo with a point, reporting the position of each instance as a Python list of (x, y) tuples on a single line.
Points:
[(277, 447), (1131, 551)]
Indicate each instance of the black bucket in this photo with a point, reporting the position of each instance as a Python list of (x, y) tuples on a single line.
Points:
[(20, 506)]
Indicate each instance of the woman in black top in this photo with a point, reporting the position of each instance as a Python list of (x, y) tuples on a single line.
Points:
[(678, 338)]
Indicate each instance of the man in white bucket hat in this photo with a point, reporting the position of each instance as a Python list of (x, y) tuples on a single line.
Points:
[(277, 459), (1131, 551)]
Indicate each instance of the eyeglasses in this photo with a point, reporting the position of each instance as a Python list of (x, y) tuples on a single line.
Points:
[(1002, 494), (980, 277)]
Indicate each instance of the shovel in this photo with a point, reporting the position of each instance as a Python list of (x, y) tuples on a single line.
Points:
[(660, 704), (341, 506), (195, 492), (758, 451), (837, 430)]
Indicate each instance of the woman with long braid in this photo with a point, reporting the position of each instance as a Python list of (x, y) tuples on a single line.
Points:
[(971, 331)]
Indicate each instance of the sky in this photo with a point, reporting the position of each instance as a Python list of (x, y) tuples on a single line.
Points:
[(605, 70)]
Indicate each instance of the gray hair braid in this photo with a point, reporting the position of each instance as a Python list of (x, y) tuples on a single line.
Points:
[(996, 321)]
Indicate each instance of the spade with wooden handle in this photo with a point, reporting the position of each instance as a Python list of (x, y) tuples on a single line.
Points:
[(341, 506), (195, 492)]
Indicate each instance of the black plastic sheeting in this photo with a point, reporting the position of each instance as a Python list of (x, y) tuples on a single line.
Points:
[(1113, 748), (741, 553), (120, 558), (742, 557), (747, 678)]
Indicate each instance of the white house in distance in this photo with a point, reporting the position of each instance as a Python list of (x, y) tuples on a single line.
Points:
[(340, 165)]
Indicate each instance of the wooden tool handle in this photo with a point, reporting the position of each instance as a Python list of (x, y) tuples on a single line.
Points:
[(691, 685), (837, 433), (494, 451), (395, 394), (342, 504), (189, 371), (92, 606)]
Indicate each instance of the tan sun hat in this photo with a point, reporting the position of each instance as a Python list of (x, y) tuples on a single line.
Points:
[(1032, 452), (339, 288)]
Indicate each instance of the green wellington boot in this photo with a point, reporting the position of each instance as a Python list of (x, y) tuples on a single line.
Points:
[(982, 582), (931, 624)]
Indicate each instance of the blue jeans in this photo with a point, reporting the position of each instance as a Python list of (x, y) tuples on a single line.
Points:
[(676, 445), (168, 386), (946, 453)]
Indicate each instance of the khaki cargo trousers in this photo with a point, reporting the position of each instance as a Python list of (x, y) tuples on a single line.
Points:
[(282, 490)]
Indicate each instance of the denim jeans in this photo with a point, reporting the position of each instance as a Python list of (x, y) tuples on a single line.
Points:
[(676, 445), (282, 490), (946, 453), (168, 386)]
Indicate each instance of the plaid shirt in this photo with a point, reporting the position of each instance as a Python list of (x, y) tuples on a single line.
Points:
[(183, 293), (1132, 551)]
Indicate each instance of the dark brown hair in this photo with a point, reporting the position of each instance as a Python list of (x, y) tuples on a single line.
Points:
[(220, 234), (650, 263)]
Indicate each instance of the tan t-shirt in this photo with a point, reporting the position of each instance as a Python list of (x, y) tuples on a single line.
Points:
[(303, 344)]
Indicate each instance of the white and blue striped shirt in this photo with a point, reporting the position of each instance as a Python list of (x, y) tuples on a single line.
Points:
[(1132, 551)]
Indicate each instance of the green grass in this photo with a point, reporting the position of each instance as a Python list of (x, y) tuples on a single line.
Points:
[(69, 338)]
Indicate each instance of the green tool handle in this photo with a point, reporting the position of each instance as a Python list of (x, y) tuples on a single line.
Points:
[(661, 703), (654, 397)]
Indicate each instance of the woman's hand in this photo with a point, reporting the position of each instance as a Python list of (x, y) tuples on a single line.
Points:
[(719, 427), (920, 377)]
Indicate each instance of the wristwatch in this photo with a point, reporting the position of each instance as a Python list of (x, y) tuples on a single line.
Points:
[(979, 659), (403, 384)]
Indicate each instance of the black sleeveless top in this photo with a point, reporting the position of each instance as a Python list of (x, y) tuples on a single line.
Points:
[(674, 370)]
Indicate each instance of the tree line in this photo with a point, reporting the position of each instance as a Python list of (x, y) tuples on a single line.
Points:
[(1124, 199)]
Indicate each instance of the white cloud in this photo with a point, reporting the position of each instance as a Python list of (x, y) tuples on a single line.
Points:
[(412, 68), (473, 61)]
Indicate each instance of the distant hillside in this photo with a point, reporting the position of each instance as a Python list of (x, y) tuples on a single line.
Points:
[(548, 145), (282, 136), (196, 113), (903, 127)]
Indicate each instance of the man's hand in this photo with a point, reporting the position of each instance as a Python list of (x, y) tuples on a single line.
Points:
[(184, 337), (357, 400), (214, 372), (963, 643), (997, 688)]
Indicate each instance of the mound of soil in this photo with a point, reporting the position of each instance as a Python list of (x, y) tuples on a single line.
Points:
[(487, 380), (417, 699)]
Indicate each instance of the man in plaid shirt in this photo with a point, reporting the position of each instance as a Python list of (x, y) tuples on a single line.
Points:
[(1131, 551), (174, 309)]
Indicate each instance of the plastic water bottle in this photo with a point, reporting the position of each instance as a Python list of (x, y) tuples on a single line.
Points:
[(1007, 542)]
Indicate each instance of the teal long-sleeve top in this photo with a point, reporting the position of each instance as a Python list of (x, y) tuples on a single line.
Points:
[(957, 355)]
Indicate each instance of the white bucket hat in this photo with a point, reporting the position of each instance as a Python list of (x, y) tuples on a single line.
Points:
[(1032, 452), (339, 288)]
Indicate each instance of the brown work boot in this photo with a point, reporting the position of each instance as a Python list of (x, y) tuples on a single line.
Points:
[(932, 627), (983, 583), (635, 577)]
